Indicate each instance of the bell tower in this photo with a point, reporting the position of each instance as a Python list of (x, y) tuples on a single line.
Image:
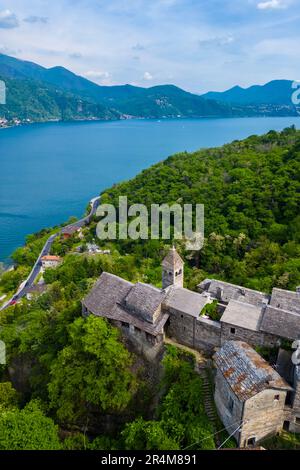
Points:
[(172, 269)]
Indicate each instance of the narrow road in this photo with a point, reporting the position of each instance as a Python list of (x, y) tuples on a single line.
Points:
[(28, 283)]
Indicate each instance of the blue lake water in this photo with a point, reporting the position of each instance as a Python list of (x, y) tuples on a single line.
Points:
[(48, 172)]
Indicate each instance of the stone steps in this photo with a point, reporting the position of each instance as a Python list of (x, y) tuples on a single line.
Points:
[(209, 405)]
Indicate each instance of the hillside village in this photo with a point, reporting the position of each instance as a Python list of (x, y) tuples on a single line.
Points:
[(157, 306), (254, 399)]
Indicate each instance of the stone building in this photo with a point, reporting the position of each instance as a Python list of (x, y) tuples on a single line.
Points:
[(145, 314), (172, 269), (250, 395), (135, 308), (50, 261), (255, 317)]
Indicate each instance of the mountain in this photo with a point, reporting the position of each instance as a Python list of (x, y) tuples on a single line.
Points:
[(30, 100), (125, 100), (276, 92), (35, 93)]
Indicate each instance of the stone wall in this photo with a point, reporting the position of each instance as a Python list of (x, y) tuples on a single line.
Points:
[(295, 410), (145, 344), (196, 332), (181, 327), (254, 338), (263, 416), (207, 334), (224, 399)]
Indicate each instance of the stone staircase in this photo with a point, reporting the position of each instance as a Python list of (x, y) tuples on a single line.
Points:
[(209, 405), (201, 365)]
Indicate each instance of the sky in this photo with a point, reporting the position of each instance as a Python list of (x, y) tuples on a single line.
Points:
[(198, 45)]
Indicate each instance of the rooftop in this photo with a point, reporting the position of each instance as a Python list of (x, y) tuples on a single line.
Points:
[(186, 301), (286, 300), (137, 304), (144, 300), (225, 291), (281, 322), (172, 260), (246, 372), (70, 230), (51, 258), (244, 315)]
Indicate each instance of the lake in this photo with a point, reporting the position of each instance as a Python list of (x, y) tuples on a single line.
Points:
[(50, 171)]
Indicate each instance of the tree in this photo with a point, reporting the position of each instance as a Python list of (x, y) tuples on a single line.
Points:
[(93, 371), (27, 429), (9, 397), (147, 435)]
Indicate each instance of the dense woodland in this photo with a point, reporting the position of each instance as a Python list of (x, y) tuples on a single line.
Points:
[(73, 383)]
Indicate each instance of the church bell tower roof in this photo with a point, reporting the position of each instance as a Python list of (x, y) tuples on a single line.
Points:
[(172, 260)]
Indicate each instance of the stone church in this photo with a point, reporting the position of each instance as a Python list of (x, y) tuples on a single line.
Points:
[(248, 319)]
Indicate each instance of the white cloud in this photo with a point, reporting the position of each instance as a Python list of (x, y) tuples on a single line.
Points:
[(147, 76), (103, 78), (272, 5), (8, 19), (36, 19), (217, 41)]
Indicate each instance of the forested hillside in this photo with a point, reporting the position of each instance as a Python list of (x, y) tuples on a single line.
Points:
[(72, 382), (251, 193), (29, 100)]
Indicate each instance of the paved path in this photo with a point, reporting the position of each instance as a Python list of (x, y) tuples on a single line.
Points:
[(28, 283)]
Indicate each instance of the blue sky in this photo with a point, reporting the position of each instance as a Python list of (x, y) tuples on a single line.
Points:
[(199, 45)]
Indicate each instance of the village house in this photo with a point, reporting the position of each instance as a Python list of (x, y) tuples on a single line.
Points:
[(68, 232), (50, 261), (250, 395), (135, 308), (145, 314)]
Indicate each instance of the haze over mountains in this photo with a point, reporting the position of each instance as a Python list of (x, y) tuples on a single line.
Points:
[(276, 92), (35, 93)]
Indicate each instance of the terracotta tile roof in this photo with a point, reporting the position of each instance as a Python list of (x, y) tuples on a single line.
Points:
[(51, 258)]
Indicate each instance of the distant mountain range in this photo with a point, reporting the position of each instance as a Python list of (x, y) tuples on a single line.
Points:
[(277, 92), (35, 93)]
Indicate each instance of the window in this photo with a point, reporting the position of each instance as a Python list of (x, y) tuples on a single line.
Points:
[(289, 399), (231, 405), (232, 331), (251, 441), (277, 397), (297, 420), (286, 425)]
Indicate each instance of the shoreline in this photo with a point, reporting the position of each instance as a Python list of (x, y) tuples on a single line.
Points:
[(150, 118)]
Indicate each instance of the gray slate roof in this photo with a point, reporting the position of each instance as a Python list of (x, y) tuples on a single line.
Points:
[(285, 299), (245, 371), (107, 299), (281, 323), (108, 290), (185, 301), (224, 291), (244, 315), (172, 260), (144, 300)]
